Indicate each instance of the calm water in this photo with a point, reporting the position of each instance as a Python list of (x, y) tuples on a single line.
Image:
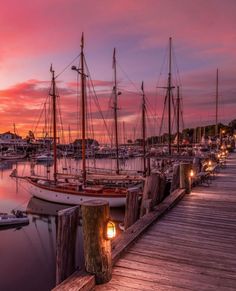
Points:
[(28, 253)]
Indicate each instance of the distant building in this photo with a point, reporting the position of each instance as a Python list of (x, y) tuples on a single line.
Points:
[(8, 136)]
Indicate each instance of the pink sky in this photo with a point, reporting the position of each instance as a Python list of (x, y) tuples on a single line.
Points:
[(36, 33)]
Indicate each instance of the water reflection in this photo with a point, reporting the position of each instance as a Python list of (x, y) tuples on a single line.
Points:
[(28, 253), (44, 208), (6, 165)]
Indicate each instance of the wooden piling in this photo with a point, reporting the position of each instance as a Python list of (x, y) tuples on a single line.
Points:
[(149, 187), (153, 192), (162, 188), (176, 178), (184, 177), (148, 166), (68, 220), (131, 209), (97, 249)]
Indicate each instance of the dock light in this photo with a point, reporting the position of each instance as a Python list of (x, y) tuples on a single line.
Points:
[(191, 174), (110, 230)]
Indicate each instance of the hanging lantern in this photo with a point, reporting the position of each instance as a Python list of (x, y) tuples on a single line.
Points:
[(209, 163), (110, 230), (191, 174)]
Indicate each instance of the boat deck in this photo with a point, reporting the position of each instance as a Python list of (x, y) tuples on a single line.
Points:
[(192, 247)]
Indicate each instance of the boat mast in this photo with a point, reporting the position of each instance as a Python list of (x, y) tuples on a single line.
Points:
[(217, 84), (115, 112), (14, 130), (83, 107), (144, 129), (178, 109), (169, 91), (83, 76), (54, 125), (69, 135), (124, 139)]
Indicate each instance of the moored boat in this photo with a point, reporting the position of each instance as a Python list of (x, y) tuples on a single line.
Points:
[(82, 187), (17, 218), (45, 157), (76, 193)]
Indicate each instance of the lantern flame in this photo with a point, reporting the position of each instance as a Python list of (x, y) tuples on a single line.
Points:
[(191, 173), (110, 230)]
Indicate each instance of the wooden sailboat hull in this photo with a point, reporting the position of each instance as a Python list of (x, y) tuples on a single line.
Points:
[(115, 198)]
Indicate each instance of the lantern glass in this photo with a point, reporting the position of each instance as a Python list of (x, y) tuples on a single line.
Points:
[(209, 163), (111, 230), (191, 173)]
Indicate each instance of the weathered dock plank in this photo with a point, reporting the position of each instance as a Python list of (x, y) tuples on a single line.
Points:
[(192, 247), (78, 281), (133, 232)]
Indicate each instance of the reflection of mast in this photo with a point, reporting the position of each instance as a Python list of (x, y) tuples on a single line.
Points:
[(144, 129), (48, 221), (217, 81), (40, 259)]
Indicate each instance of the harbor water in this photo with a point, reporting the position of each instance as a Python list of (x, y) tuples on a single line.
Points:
[(28, 253)]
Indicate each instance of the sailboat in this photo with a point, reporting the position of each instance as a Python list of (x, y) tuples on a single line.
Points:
[(12, 153), (74, 189)]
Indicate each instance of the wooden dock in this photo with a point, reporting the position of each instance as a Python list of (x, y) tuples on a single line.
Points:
[(192, 247)]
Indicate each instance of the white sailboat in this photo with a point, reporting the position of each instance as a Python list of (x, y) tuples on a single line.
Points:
[(77, 189)]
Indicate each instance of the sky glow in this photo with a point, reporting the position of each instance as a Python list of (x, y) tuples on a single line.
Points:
[(36, 33)]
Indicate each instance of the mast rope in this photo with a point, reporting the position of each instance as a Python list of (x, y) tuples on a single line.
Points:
[(96, 98), (67, 66)]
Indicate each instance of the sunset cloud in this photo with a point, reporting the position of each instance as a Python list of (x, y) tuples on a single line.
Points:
[(37, 33)]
